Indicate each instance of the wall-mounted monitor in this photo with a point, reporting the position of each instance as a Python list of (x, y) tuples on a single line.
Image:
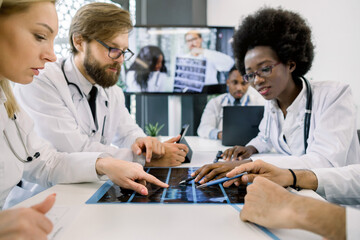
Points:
[(175, 59)]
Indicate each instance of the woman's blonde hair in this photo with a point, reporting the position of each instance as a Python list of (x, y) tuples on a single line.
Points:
[(8, 7)]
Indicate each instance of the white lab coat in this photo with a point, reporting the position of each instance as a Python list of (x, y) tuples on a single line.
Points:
[(342, 186), (215, 61), (332, 141), (63, 116), (158, 82), (212, 118), (339, 185), (50, 168)]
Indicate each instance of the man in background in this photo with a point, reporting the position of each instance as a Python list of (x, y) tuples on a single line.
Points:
[(215, 61), (239, 95)]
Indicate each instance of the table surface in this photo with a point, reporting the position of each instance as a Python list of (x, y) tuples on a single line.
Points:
[(73, 219)]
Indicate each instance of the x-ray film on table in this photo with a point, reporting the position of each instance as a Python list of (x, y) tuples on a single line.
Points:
[(184, 193)]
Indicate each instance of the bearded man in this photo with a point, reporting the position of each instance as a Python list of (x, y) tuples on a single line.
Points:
[(75, 102)]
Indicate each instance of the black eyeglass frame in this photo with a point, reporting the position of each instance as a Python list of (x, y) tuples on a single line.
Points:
[(120, 52), (250, 77)]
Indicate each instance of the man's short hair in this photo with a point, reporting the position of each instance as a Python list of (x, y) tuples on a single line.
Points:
[(193, 32), (233, 69), (100, 21)]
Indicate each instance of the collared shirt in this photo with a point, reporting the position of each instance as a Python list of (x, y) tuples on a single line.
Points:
[(244, 101), (81, 81), (292, 126)]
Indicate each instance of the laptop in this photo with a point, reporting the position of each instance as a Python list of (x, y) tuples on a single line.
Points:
[(240, 124)]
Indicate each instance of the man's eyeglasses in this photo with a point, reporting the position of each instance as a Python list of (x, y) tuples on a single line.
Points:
[(115, 53), (192, 40), (262, 72)]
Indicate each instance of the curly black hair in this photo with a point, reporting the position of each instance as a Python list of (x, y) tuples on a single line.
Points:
[(283, 31)]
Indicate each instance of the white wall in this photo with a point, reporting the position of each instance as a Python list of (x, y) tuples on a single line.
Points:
[(336, 33)]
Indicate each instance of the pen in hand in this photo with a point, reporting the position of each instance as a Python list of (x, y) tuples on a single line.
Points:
[(221, 180), (218, 156), (186, 180)]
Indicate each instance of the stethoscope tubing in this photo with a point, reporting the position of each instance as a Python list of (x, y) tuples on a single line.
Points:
[(83, 96), (28, 158)]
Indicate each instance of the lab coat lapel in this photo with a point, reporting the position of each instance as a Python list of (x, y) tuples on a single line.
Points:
[(79, 104), (275, 132)]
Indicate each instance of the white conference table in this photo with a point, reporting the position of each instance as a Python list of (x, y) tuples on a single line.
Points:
[(73, 219)]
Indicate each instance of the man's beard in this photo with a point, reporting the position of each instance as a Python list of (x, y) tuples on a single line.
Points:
[(98, 73)]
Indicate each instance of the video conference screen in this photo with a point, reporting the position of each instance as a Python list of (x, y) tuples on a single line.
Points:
[(178, 59)]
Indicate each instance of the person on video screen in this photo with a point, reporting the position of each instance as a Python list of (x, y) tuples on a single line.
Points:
[(239, 95), (148, 72), (215, 61)]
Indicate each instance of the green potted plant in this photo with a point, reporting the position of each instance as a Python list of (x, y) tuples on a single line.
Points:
[(153, 130)]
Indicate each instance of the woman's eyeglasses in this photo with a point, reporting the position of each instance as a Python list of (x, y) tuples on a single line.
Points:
[(262, 72)]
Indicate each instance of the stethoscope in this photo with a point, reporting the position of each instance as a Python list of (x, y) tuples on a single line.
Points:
[(83, 97), (28, 158), (308, 109)]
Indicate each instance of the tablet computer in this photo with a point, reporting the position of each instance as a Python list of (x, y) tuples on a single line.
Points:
[(183, 141)]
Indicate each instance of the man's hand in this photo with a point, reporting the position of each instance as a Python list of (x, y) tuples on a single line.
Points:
[(215, 170), (27, 223), (149, 146), (127, 174), (239, 153), (174, 154), (268, 204), (280, 176)]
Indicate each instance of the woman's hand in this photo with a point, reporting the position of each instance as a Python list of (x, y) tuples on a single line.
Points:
[(238, 153), (127, 174), (215, 170), (27, 223)]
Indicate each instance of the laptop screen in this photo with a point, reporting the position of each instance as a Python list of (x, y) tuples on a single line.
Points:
[(241, 124)]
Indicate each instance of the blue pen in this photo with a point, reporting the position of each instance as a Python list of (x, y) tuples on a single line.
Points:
[(221, 180)]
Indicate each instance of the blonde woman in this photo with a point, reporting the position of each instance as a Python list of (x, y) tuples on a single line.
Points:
[(27, 30)]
